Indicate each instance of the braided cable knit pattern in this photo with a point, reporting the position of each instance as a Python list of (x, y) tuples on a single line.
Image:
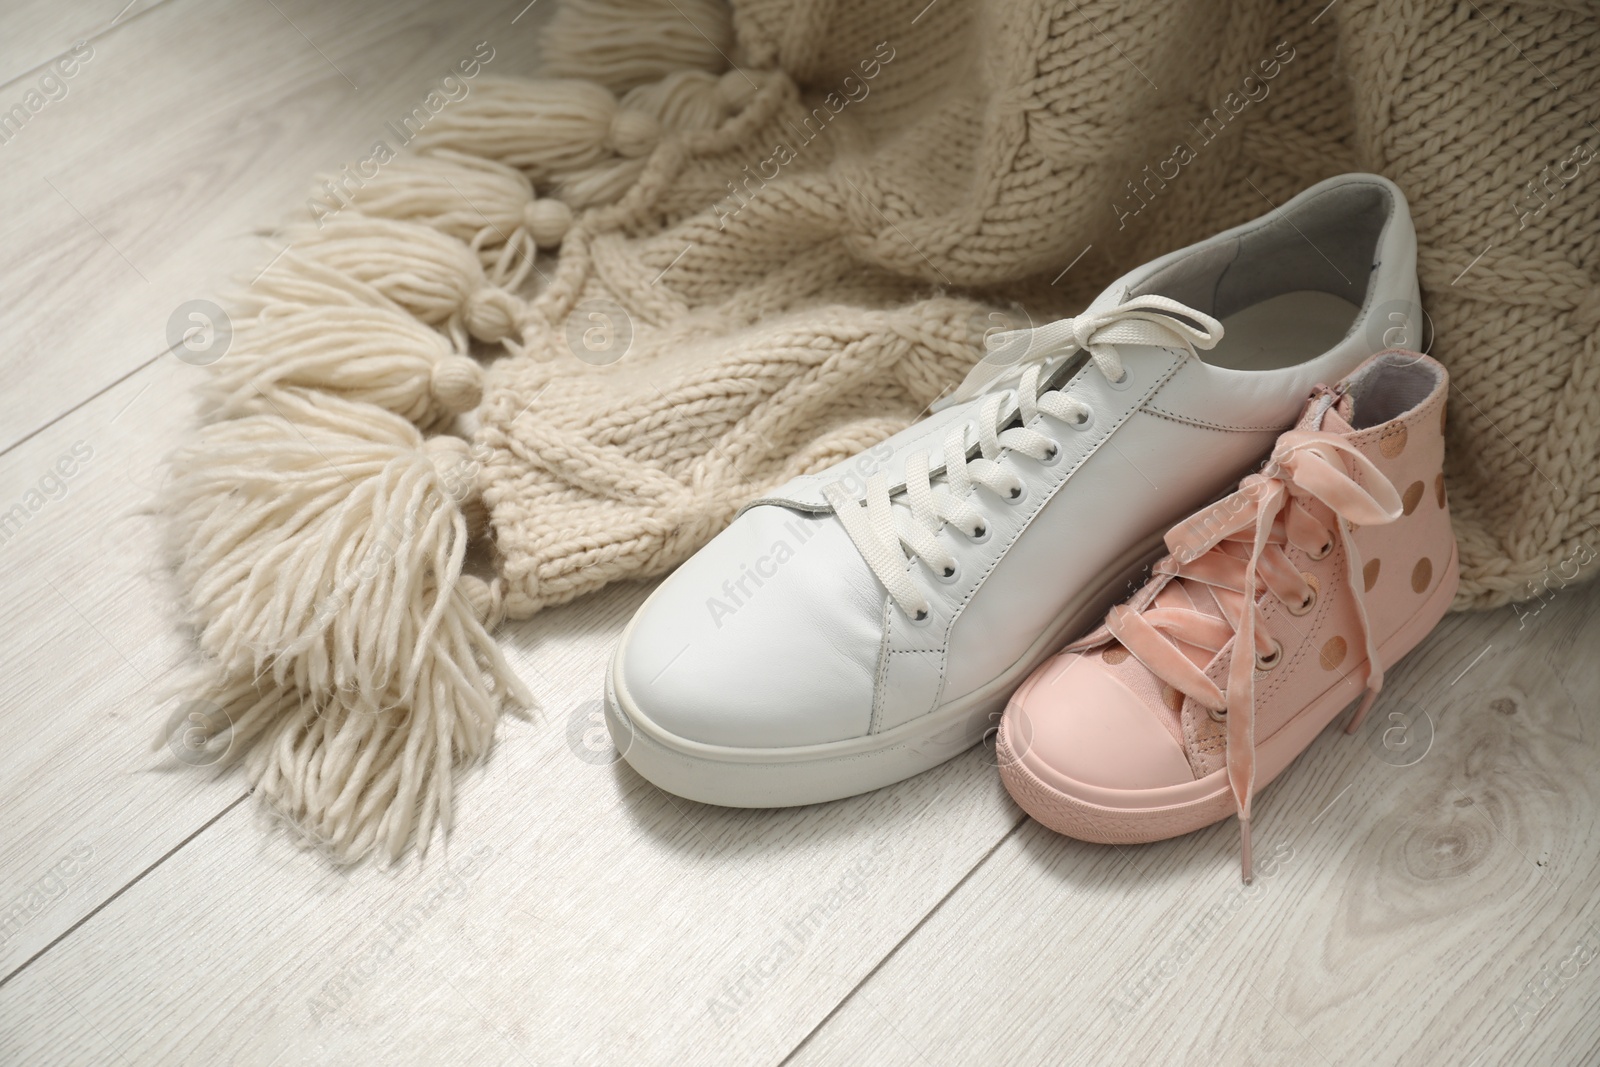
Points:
[(998, 144)]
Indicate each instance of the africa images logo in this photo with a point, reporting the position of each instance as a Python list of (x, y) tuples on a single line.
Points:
[(51, 88), (1253, 88), (852, 90), (454, 87)]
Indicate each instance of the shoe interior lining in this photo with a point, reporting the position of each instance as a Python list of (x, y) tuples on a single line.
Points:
[(1390, 389), (1283, 331), (1260, 280)]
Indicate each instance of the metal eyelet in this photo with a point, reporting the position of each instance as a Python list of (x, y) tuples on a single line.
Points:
[(950, 575), (980, 535), (1083, 422), (1017, 495), (1121, 383), (1218, 714), (1271, 660), (1305, 605), (1052, 456), (1322, 553)]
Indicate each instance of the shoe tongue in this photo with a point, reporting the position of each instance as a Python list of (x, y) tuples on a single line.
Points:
[(1328, 411), (1342, 416), (1325, 411)]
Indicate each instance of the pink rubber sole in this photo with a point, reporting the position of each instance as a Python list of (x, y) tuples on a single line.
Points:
[(1115, 817)]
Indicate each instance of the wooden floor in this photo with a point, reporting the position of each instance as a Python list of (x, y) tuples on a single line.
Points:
[(1432, 888)]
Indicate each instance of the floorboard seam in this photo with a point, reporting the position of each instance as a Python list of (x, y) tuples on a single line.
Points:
[(97, 394), (887, 956), (95, 36), (135, 880)]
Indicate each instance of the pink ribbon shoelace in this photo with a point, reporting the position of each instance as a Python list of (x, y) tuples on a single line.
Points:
[(1236, 547)]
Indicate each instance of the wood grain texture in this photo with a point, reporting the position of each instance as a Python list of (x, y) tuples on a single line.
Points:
[(88, 646), (1429, 901), (580, 916), (188, 132), (39, 31)]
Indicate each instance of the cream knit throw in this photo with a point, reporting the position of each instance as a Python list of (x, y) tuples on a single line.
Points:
[(784, 230)]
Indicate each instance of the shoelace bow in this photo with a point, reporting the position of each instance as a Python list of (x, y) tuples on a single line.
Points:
[(1267, 513), (889, 534)]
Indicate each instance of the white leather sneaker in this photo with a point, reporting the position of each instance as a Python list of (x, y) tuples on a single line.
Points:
[(868, 622)]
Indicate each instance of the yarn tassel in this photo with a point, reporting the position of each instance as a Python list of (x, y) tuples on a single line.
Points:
[(351, 779), (319, 536), (479, 202), (373, 355), (457, 195), (309, 540), (624, 43), (322, 549), (543, 126), (294, 279), (684, 102), (688, 99), (575, 136), (435, 278)]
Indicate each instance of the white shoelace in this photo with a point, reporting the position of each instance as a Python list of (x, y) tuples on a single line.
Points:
[(889, 533)]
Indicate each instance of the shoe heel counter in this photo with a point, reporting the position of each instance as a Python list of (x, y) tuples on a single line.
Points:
[(1406, 561), (1394, 302)]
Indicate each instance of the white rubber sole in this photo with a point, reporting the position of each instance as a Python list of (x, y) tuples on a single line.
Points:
[(812, 774)]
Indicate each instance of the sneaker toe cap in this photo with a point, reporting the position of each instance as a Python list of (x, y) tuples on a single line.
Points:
[(1075, 723), (766, 638)]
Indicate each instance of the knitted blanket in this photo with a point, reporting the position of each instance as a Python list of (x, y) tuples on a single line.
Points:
[(784, 229)]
